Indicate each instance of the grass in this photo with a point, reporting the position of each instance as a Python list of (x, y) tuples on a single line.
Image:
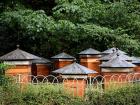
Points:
[(124, 95), (54, 94), (37, 95)]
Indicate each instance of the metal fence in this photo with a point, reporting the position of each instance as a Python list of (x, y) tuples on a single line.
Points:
[(115, 78), (79, 86)]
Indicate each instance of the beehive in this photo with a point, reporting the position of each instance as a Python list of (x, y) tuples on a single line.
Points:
[(116, 66), (21, 63), (75, 78), (90, 59), (62, 60)]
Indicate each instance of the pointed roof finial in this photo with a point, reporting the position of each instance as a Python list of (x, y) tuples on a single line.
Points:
[(117, 49), (113, 50), (18, 46)]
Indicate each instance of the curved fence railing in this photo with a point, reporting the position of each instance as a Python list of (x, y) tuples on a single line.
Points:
[(122, 78), (77, 86)]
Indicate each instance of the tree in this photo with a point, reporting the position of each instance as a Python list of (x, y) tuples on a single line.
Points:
[(72, 26)]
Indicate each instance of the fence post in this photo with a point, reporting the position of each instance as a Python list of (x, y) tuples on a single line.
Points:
[(19, 78), (90, 82)]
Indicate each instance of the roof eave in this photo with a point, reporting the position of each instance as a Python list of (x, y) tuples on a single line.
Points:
[(115, 67)]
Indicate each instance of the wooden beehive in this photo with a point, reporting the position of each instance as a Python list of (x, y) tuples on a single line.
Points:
[(90, 59), (75, 86), (62, 60), (75, 78), (21, 63), (115, 69)]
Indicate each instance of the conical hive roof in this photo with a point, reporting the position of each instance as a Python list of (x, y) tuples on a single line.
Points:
[(41, 61), (117, 62), (114, 55), (135, 60), (111, 50), (89, 51), (63, 56), (74, 68), (18, 54)]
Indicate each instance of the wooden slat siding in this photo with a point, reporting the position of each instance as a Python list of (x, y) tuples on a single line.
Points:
[(23, 70), (137, 69), (91, 63), (75, 87), (43, 69), (64, 63), (19, 69), (59, 64), (84, 64), (116, 80)]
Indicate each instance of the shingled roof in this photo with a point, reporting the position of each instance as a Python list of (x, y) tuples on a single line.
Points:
[(114, 55), (89, 51), (18, 54), (74, 68), (63, 56), (111, 50), (41, 61), (117, 62), (136, 60)]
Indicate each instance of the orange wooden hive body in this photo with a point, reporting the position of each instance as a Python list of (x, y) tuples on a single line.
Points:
[(59, 63), (75, 86), (41, 67), (90, 59), (137, 69), (62, 60), (92, 63), (19, 70)]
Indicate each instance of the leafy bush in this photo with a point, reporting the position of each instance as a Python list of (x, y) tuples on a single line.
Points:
[(54, 94), (128, 95), (3, 78), (2, 68), (37, 95), (49, 95)]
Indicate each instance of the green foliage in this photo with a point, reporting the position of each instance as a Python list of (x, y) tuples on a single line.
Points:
[(49, 94), (3, 67), (3, 78), (45, 94), (54, 94), (128, 95), (72, 25), (10, 94)]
